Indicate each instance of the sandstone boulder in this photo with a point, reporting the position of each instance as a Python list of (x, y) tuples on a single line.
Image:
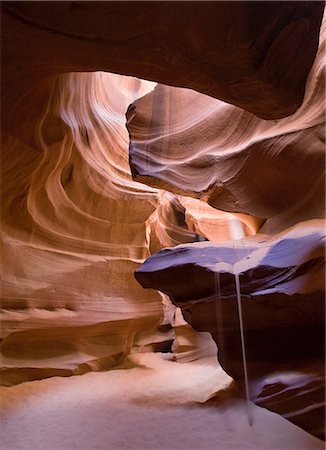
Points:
[(282, 294)]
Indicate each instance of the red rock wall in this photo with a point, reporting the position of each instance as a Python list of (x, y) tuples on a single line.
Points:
[(75, 227), (256, 55)]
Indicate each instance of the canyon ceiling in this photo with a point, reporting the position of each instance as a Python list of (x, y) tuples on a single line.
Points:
[(133, 130)]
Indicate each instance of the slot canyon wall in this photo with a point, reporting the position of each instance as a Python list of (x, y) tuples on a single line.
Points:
[(274, 173), (101, 171)]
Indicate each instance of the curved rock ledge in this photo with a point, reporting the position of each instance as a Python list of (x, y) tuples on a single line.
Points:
[(192, 144), (282, 285), (256, 55), (282, 291)]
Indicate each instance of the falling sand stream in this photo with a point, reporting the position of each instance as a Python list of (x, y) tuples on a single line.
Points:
[(219, 320), (243, 348), (218, 310)]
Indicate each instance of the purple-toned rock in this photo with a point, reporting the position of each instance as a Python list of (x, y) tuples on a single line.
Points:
[(297, 392), (282, 294)]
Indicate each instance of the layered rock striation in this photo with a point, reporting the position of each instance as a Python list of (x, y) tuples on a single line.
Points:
[(76, 225), (73, 232), (195, 145)]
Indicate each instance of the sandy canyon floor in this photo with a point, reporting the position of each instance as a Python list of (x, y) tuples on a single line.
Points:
[(152, 403)]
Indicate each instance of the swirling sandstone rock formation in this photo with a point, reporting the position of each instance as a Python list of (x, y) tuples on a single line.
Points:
[(73, 232), (75, 225), (195, 145)]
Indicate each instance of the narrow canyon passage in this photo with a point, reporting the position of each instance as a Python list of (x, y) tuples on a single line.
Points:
[(163, 225)]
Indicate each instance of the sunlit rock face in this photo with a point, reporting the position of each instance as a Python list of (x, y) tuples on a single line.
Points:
[(73, 232), (195, 145), (75, 227), (188, 344), (256, 55)]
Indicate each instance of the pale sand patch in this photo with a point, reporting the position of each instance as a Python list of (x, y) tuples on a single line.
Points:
[(149, 407)]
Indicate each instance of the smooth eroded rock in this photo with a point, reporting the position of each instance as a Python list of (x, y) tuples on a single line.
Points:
[(256, 55), (195, 145)]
